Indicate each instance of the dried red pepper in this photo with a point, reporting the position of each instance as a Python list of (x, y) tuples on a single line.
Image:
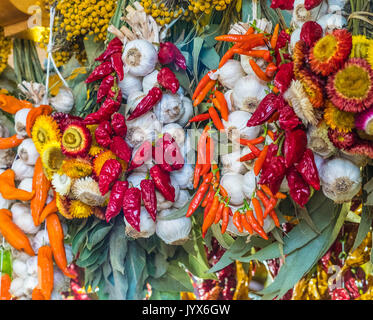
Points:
[(162, 182), (114, 46), (121, 149), (288, 120), (143, 154), (169, 53), (149, 197), (105, 86), (167, 153), (284, 76), (103, 134), (100, 72), (118, 123), (311, 4), (117, 63), (167, 79), (299, 189), (107, 109), (295, 145), (116, 199), (307, 168), (132, 207), (266, 108), (282, 4), (147, 103), (311, 32), (282, 42), (109, 174)]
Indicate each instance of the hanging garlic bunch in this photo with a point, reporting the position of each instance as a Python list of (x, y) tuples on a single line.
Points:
[(63, 101), (341, 180), (248, 92), (175, 231), (169, 109), (146, 127), (130, 84), (6, 158), (147, 226), (236, 126), (139, 57)]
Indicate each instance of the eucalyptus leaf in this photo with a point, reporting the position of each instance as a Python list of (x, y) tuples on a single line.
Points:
[(164, 295), (210, 58), (118, 247), (364, 227), (98, 234), (197, 47), (121, 284), (224, 240)]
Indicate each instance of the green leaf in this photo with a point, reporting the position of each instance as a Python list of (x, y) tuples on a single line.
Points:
[(224, 240), (197, 47), (118, 247), (93, 49), (79, 239), (364, 227), (80, 96), (303, 214), (157, 265), (210, 58), (6, 262), (164, 295), (121, 285), (98, 234), (246, 10), (179, 213)]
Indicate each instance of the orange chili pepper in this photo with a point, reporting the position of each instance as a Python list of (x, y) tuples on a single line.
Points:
[(204, 92), (5, 286), (12, 105), (224, 110), (271, 206), (225, 219), (223, 192), (215, 170), (260, 161), (271, 134), (248, 157), (275, 90), (274, 117), (260, 42), (259, 72), (255, 225), (258, 211), (45, 271), (219, 212), (37, 294), (274, 217), (261, 195), (34, 113), (50, 208), (201, 146), (197, 175), (237, 221), (203, 82), (254, 149), (252, 141), (267, 190), (239, 37), (41, 185), (10, 142), (197, 199), (275, 35), (216, 119), (280, 195), (264, 54), (246, 224), (210, 217), (271, 70), (8, 189), (56, 240), (208, 198), (209, 154), (13, 234)]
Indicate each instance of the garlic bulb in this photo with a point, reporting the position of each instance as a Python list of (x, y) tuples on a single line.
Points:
[(176, 186), (184, 176), (139, 57), (135, 178), (248, 92), (176, 131), (87, 191), (5, 203), (302, 15), (32, 266), (149, 81), (336, 5), (162, 203), (229, 73), (133, 100), (147, 226), (318, 141), (29, 284), (40, 239), (6, 158), (236, 126), (63, 101), (20, 255), (26, 184), (22, 170), (329, 22), (341, 180), (61, 283), (245, 62), (130, 84), (169, 109), (20, 209), (146, 127), (182, 199), (319, 161), (231, 163), (175, 231), (61, 183), (20, 122), (249, 184), (233, 184), (27, 152), (358, 159), (25, 222), (294, 38), (228, 95), (17, 287), (19, 268), (188, 111)]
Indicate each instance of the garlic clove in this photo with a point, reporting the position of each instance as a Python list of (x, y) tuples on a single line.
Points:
[(26, 184), (249, 183), (63, 101), (182, 199), (236, 126), (19, 268), (162, 203), (231, 164), (330, 22)]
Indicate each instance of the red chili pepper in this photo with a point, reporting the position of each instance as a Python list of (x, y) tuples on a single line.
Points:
[(271, 206), (202, 84), (237, 221), (246, 224), (288, 120), (117, 63), (255, 225), (295, 145), (311, 32), (109, 174), (118, 123), (103, 134), (143, 154), (197, 199), (147, 103), (201, 146), (114, 46), (219, 212), (282, 4), (169, 53), (260, 161), (284, 76), (271, 70), (307, 168), (105, 86), (225, 218), (248, 157), (121, 149), (197, 174), (100, 72), (116, 199), (266, 108), (254, 149), (162, 182), (149, 197), (167, 153), (216, 119), (200, 117), (132, 207), (255, 141), (209, 197), (299, 189), (105, 112), (167, 79), (311, 4)]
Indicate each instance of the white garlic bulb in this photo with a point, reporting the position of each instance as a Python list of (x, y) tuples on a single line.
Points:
[(63, 101), (233, 184), (133, 100), (169, 109), (182, 199), (19, 268), (26, 223), (146, 127), (22, 170), (329, 22), (32, 265), (188, 111), (162, 203), (5, 203), (147, 226), (229, 73), (29, 284), (149, 81), (236, 126), (294, 38), (20, 255), (319, 142), (139, 57), (302, 15), (61, 283), (228, 95), (17, 287), (40, 239), (248, 92), (249, 183), (20, 122), (231, 163), (27, 152), (336, 5), (26, 184), (175, 231), (340, 179), (130, 84), (135, 178), (184, 176)]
